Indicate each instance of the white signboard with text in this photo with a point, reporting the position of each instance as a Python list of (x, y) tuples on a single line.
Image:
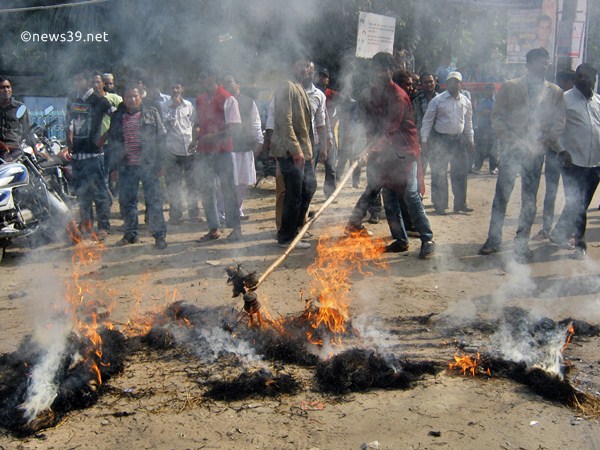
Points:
[(375, 34)]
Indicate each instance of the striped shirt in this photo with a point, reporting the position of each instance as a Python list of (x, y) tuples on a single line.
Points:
[(132, 133)]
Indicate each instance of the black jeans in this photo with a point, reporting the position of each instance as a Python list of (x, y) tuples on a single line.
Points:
[(370, 200), (300, 186), (485, 145), (580, 185), (552, 177), (512, 162), (90, 187), (180, 169)]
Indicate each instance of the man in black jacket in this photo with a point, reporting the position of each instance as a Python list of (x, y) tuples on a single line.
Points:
[(136, 134)]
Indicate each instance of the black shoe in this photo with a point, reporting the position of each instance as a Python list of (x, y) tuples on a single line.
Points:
[(160, 243), (427, 249), (578, 254), (360, 231), (488, 248), (465, 209), (124, 241), (397, 247), (440, 211), (374, 218), (523, 254), (235, 236)]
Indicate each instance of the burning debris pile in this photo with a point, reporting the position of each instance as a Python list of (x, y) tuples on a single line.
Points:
[(531, 352), (38, 386)]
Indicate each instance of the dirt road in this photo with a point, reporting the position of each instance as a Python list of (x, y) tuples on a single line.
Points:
[(157, 402)]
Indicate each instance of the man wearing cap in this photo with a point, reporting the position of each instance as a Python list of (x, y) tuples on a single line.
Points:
[(528, 118), (448, 129)]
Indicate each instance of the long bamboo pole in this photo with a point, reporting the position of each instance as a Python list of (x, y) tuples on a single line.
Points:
[(307, 225)]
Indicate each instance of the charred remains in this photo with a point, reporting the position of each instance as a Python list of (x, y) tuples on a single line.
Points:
[(259, 383), (361, 370)]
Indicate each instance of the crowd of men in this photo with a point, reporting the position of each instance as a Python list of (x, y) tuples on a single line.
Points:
[(205, 151)]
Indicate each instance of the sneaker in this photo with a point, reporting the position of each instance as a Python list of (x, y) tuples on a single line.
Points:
[(488, 248), (124, 241), (541, 236), (427, 249), (234, 236), (494, 172), (210, 236), (354, 231), (244, 217), (440, 211), (302, 245), (160, 243), (397, 247), (374, 218)]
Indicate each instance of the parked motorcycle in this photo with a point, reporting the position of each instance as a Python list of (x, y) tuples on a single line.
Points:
[(29, 206), (56, 170)]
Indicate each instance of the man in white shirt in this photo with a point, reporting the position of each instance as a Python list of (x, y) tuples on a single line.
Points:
[(448, 129), (179, 160), (580, 160)]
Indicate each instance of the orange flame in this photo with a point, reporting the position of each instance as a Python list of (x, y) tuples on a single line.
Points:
[(336, 260), (468, 365), (86, 303)]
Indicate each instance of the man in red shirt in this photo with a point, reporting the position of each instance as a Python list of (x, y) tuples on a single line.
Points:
[(218, 118), (392, 158)]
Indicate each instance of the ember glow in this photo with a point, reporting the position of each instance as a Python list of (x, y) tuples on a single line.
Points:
[(330, 274)]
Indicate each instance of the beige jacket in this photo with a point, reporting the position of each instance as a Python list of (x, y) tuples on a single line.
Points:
[(292, 122), (534, 128)]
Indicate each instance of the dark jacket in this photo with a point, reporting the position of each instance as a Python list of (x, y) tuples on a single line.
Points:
[(153, 138)]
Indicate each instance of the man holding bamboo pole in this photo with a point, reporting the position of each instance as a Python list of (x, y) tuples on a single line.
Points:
[(392, 158)]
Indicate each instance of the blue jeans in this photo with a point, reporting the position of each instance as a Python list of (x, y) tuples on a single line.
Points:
[(512, 163), (90, 187), (218, 167), (300, 186), (330, 182), (412, 199), (129, 185)]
